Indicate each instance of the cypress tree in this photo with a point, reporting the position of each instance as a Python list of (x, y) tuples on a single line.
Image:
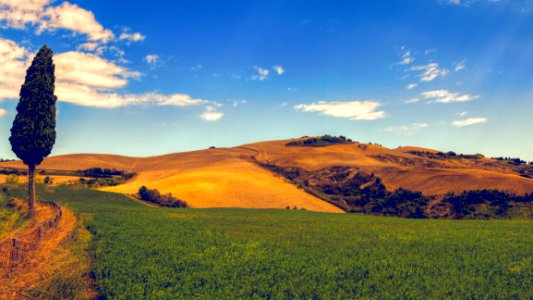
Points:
[(33, 133)]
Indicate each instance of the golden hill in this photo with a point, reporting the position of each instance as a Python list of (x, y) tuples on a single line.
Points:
[(229, 177)]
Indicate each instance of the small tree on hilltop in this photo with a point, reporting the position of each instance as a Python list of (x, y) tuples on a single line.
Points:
[(33, 133)]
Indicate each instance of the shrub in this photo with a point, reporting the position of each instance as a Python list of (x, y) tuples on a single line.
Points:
[(48, 180), (167, 200)]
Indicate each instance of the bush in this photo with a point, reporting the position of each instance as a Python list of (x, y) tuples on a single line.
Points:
[(167, 200), (48, 180)]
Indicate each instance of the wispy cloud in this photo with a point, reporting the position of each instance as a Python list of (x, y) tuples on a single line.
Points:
[(469, 122), (467, 2), (430, 71), (262, 74), (460, 66), (236, 103), (151, 58), (411, 86), (132, 37), (353, 110), (278, 69), (3, 112), (445, 96), (406, 129), (406, 57)]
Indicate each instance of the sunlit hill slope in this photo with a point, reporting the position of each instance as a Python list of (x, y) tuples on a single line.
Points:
[(234, 177)]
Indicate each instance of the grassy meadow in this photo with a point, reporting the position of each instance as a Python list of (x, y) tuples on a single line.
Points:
[(162, 253)]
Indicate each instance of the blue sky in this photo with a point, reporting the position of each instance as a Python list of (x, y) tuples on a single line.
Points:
[(167, 76)]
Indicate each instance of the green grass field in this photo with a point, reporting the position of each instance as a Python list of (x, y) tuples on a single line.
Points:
[(160, 253), (10, 218)]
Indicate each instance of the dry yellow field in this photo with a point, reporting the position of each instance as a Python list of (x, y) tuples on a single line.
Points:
[(227, 177)]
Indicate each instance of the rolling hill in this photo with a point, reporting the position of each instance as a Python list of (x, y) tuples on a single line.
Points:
[(236, 177)]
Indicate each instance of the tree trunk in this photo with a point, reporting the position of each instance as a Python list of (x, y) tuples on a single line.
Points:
[(31, 190)]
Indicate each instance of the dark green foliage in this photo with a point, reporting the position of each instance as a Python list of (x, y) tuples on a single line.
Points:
[(484, 204), (103, 177), (99, 182), (48, 180), (402, 203), (145, 253), (33, 133), (104, 173), (164, 200), (322, 141), (9, 171), (446, 155)]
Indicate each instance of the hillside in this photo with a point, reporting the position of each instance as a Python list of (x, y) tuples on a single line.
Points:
[(236, 177)]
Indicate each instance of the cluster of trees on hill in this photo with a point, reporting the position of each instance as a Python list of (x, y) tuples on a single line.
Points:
[(376, 200), (485, 204), (322, 141), (445, 155), (103, 173), (13, 171), (103, 177), (512, 160), (522, 167), (167, 200)]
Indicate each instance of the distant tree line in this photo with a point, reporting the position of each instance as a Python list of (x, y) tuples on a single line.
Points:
[(167, 200), (321, 141), (445, 155), (513, 160), (13, 171), (104, 173)]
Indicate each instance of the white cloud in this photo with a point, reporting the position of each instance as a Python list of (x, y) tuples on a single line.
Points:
[(262, 74), (211, 114), (411, 86), (460, 66), (83, 79), (3, 112), (132, 37), (429, 72), (445, 96), (353, 110), (462, 114), (18, 13), (411, 101), (151, 58), (45, 16), (279, 70), (13, 64), (406, 129), (91, 70), (79, 20), (469, 122)]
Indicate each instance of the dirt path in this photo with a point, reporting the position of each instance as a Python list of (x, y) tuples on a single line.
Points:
[(43, 258)]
